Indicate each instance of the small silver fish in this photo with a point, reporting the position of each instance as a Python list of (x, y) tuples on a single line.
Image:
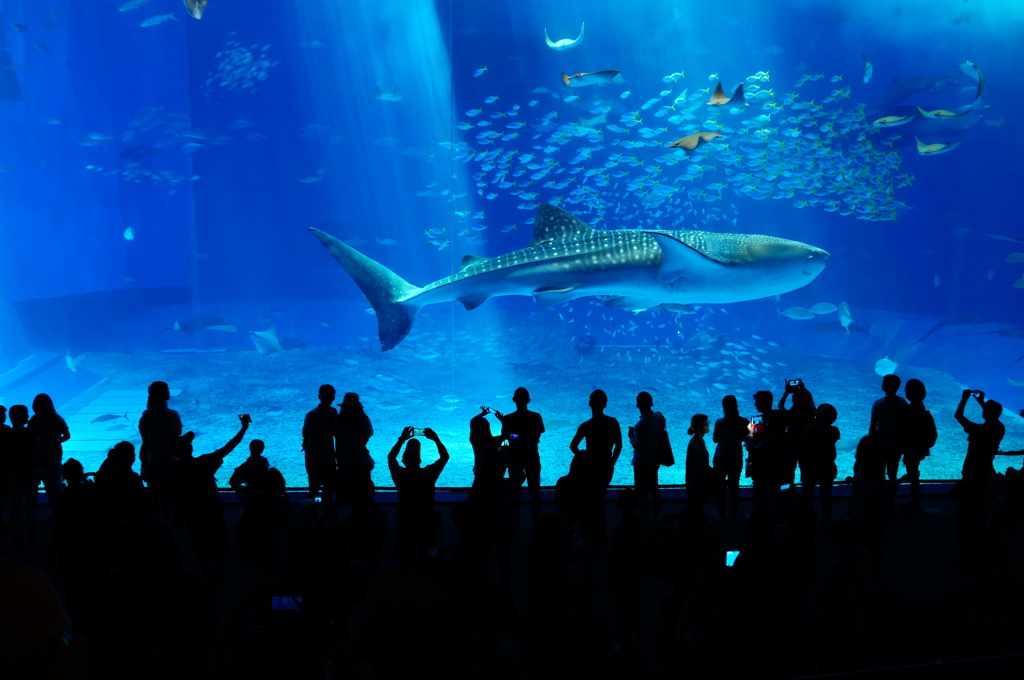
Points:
[(158, 19)]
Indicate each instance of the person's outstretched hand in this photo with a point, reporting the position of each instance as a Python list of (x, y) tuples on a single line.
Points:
[(430, 434)]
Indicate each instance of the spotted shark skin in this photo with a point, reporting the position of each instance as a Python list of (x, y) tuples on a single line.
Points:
[(568, 259)]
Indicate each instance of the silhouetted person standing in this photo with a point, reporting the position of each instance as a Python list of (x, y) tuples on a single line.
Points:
[(699, 482), (798, 417), (604, 442), (646, 437), (48, 431), (921, 437), (351, 435), (888, 425), (25, 485), (983, 441), (416, 521), (818, 458), (6, 466), (729, 433), (764, 455), (159, 426), (318, 444), (523, 429)]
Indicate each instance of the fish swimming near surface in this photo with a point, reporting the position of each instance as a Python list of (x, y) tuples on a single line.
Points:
[(564, 43), (691, 142), (719, 98), (129, 234), (568, 259), (613, 75), (893, 121), (395, 96), (132, 4), (196, 7), (933, 149), (158, 19), (868, 70)]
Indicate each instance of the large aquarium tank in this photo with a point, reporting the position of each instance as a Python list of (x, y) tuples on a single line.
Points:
[(434, 202)]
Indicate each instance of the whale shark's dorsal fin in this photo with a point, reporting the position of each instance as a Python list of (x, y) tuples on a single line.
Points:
[(554, 224), (470, 260), (679, 259)]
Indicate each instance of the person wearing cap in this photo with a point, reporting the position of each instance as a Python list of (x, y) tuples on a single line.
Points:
[(352, 432), (523, 428)]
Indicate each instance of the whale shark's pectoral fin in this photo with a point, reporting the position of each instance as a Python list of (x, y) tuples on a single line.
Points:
[(473, 301), (679, 260), (549, 297)]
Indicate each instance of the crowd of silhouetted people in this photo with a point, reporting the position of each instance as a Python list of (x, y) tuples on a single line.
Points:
[(336, 586)]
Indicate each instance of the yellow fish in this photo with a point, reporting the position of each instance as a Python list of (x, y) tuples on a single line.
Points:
[(932, 149)]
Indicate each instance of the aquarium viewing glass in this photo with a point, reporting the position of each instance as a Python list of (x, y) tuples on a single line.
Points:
[(161, 175)]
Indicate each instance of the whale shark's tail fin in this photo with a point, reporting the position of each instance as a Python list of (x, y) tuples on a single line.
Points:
[(382, 287)]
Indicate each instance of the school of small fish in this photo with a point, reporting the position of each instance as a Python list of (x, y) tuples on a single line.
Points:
[(805, 146)]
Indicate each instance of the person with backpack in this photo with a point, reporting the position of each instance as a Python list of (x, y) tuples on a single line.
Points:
[(646, 438), (920, 438)]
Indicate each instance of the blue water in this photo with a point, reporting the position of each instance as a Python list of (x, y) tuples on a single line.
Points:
[(219, 142)]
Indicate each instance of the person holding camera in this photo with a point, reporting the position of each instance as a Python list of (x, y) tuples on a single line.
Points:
[(983, 441), (199, 505), (416, 521)]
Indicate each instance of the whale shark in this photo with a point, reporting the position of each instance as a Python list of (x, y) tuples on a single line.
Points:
[(567, 259)]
